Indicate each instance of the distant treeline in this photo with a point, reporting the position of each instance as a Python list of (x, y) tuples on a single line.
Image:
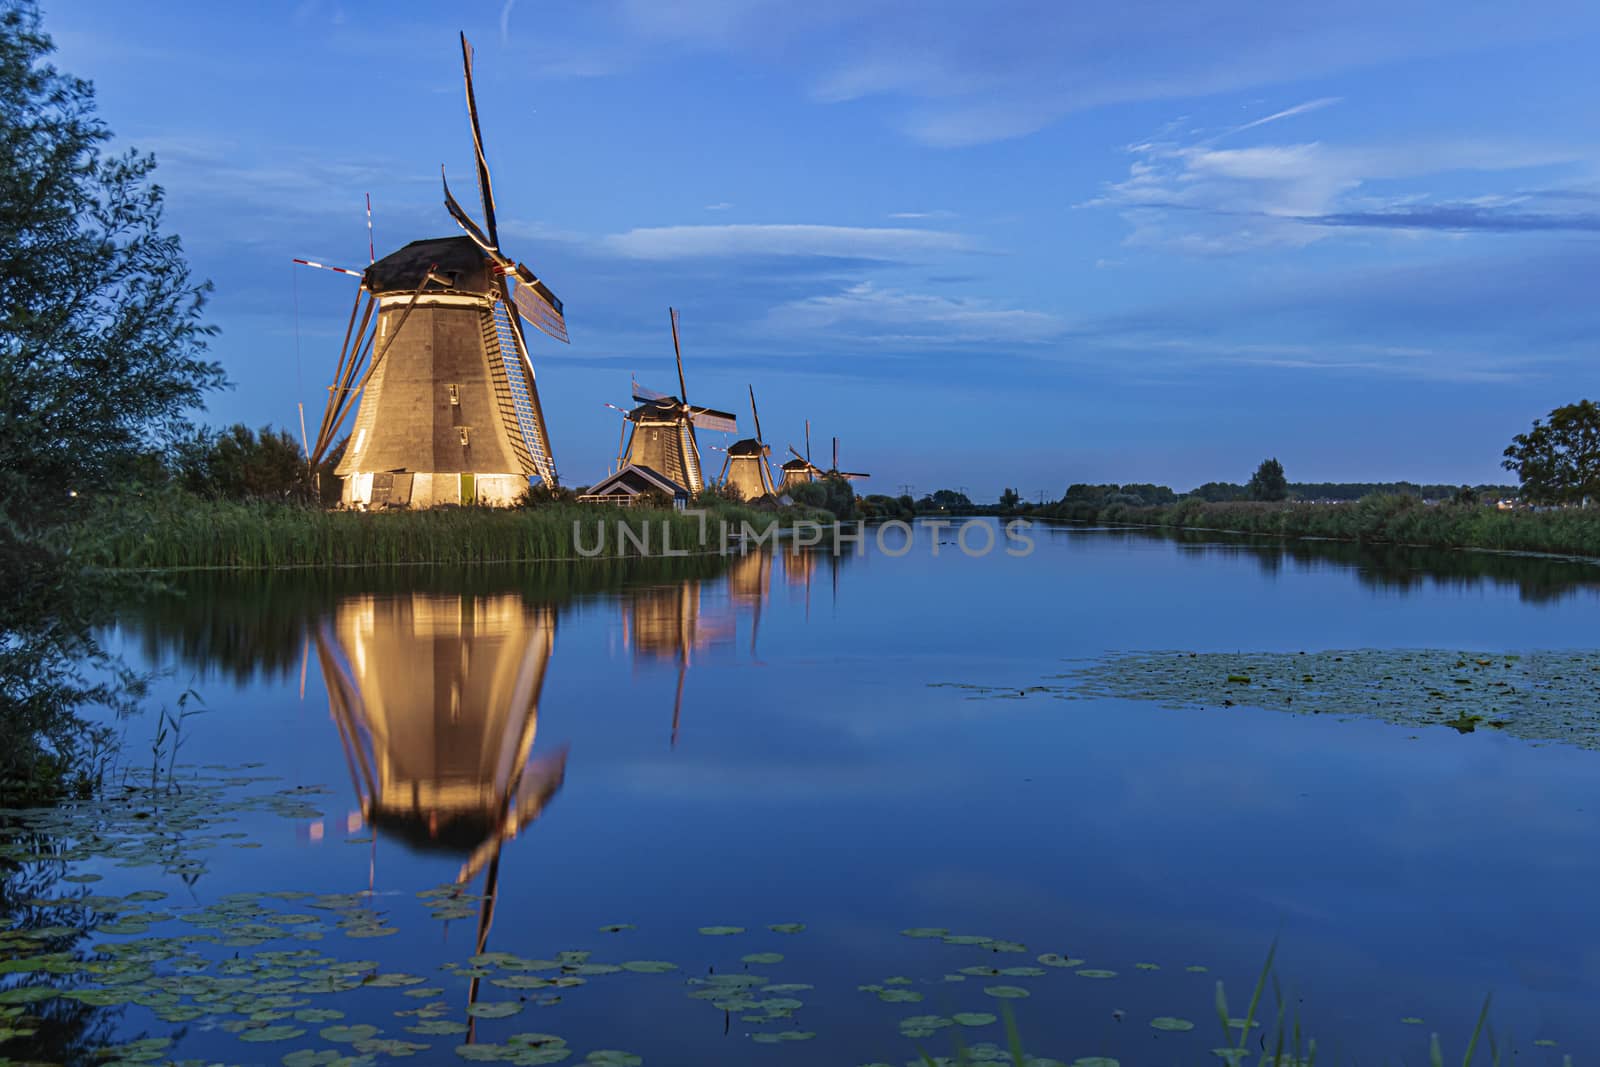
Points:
[(1394, 518), (1143, 494)]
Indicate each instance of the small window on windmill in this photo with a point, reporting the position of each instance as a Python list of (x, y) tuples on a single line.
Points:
[(464, 429), (455, 396)]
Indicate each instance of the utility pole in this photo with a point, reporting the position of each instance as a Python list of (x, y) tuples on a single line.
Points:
[(1041, 497), (907, 489)]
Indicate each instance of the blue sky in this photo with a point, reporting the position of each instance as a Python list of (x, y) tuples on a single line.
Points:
[(1020, 242)]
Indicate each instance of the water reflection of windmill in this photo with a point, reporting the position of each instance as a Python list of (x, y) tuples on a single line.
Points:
[(666, 623), (437, 703)]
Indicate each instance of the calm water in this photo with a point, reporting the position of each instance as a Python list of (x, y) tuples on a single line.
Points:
[(769, 745)]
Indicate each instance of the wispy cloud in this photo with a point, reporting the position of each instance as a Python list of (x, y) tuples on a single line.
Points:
[(752, 240), (955, 74), (937, 213), (891, 316), (1288, 113), (1198, 197), (1462, 218), (720, 206)]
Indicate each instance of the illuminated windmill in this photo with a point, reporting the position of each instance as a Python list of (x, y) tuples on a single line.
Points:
[(662, 436), (440, 379), (745, 471), (800, 469), (804, 463)]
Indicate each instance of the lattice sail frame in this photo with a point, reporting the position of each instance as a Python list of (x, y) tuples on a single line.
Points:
[(519, 399)]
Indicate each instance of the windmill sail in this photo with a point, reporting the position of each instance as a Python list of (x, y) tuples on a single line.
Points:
[(643, 395), (539, 306), (707, 419)]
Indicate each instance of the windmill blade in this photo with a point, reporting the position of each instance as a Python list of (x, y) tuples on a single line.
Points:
[(798, 456), (808, 441), (683, 390), (464, 220), (706, 419), (326, 266), (614, 407), (540, 307), (642, 395), (754, 414), (485, 190)]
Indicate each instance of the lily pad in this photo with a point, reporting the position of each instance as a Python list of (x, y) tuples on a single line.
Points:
[(494, 1009), (721, 931), (1171, 1023), (438, 1027), (649, 966), (762, 957), (1095, 973), (1006, 992), (279, 1032), (973, 1018), (358, 1032), (786, 928)]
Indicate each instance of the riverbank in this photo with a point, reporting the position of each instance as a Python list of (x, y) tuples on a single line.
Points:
[(181, 532), (1400, 520)]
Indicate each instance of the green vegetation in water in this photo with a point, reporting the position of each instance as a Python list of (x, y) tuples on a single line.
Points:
[(1537, 696)]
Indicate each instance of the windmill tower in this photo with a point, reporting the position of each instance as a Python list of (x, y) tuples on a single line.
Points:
[(438, 371), (662, 435), (745, 470)]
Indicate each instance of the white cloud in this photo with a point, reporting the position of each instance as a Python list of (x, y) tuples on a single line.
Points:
[(1196, 197), (937, 213), (845, 242), (867, 312), (722, 205)]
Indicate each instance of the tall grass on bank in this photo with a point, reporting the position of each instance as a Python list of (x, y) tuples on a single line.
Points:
[(1375, 519), (172, 531)]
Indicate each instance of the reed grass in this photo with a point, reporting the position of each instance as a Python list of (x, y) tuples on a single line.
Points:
[(1284, 1045), (1399, 520), (176, 531)]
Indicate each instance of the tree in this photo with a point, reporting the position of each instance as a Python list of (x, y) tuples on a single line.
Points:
[(240, 464), (1558, 462), (1268, 482), (1010, 499), (102, 346)]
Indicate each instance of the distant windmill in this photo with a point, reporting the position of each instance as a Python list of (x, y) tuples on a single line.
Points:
[(801, 469), (447, 410), (745, 470), (663, 437)]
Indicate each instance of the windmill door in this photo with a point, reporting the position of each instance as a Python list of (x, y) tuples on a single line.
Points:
[(469, 489)]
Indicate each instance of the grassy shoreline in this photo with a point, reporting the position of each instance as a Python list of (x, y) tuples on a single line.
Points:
[(1397, 520), (170, 533)]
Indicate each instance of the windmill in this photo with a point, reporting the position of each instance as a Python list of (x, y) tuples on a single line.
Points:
[(745, 471), (663, 438), (440, 378), (800, 469), (803, 465)]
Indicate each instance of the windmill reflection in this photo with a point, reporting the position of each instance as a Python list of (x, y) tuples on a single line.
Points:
[(673, 623), (436, 699)]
